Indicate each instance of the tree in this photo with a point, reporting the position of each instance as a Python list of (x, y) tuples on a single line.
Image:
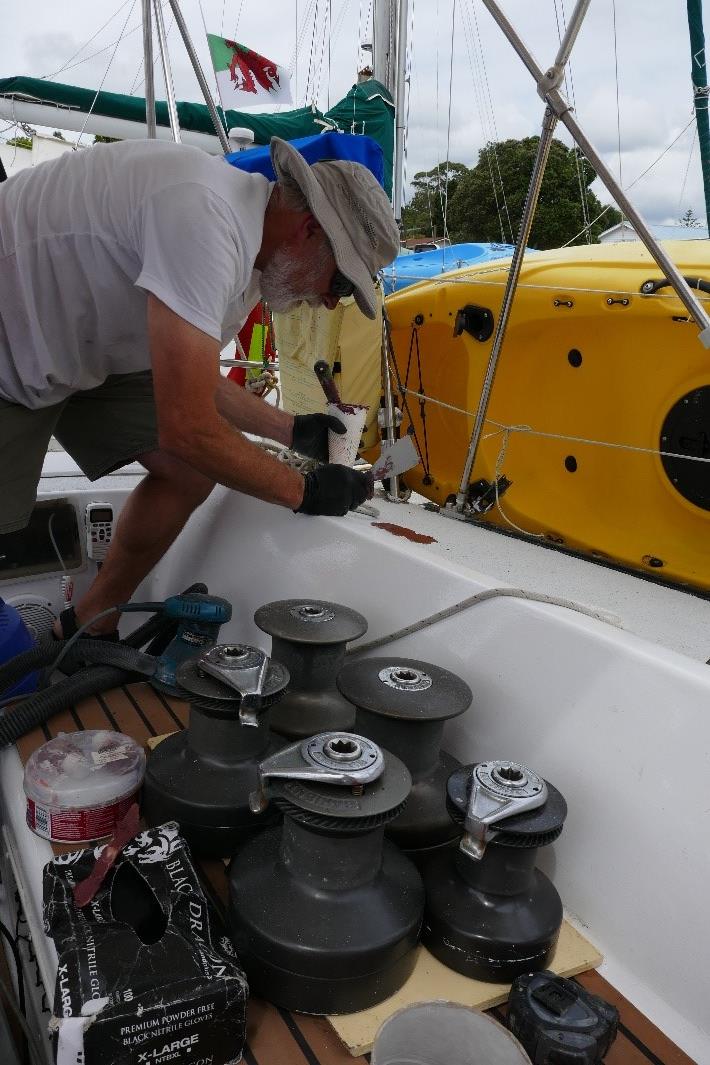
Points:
[(488, 202), (59, 135), (100, 139), (689, 220), (424, 214)]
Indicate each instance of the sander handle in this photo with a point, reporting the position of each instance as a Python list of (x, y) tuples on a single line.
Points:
[(323, 372)]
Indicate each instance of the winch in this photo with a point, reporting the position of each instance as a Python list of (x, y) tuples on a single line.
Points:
[(309, 636), (490, 914), (202, 777), (325, 913), (403, 704)]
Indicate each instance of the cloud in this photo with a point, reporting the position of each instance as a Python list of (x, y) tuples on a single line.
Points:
[(492, 93)]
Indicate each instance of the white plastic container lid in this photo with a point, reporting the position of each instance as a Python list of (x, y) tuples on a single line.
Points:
[(84, 769)]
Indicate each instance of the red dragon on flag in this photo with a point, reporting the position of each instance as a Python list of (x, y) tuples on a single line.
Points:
[(247, 65), (246, 78)]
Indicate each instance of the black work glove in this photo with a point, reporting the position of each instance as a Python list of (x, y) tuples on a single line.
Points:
[(335, 490), (310, 434)]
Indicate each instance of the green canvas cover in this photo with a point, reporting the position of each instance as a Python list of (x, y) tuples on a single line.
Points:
[(302, 122), (367, 108)]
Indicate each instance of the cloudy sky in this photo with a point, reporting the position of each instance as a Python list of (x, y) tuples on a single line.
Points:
[(491, 95)]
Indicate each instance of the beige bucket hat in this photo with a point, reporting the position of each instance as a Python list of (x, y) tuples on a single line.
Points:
[(353, 210)]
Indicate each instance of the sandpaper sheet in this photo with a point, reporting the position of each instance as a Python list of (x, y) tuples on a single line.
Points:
[(431, 980)]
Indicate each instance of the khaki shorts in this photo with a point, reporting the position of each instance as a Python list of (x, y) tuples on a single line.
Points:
[(102, 429)]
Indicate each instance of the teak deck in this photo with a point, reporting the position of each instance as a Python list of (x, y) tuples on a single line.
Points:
[(275, 1036)]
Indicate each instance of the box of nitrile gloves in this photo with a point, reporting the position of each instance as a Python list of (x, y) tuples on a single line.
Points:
[(147, 974)]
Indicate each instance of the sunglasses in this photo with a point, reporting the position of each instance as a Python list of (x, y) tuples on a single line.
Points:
[(340, 285)]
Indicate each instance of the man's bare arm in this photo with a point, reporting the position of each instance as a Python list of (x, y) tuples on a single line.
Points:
[(186, 380), (252, 415)]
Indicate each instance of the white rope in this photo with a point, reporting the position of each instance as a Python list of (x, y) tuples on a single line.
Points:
[(567, 290), (496, 478), (481, 597), (501, 427)]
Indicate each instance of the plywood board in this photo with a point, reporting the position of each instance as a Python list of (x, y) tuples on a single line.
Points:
[(431, 980)]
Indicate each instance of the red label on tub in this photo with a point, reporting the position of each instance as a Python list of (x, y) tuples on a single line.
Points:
[(76, 826)]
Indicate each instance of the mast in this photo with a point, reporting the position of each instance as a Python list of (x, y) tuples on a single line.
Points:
[(389, 61), (400, 108), (700, 92)]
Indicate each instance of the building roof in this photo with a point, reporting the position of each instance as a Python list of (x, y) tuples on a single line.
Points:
[(625, 231)]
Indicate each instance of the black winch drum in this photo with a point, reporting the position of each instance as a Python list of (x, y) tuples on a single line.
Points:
[(202, 777), (497, 916), (403, 705), (324, 912), (309, 636)]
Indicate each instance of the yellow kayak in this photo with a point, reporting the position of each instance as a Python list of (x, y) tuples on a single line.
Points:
[(600, 372)]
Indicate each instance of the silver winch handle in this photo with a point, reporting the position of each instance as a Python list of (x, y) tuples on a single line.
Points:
[(242, 668), (498, 790), (328, 758)]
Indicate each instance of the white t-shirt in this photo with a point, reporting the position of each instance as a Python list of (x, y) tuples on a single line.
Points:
[(85, 236)]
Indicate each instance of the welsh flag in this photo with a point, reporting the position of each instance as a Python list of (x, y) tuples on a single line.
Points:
[(246, 78)]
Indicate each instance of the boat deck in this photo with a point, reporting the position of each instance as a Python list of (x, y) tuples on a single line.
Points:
[(275, 1036)]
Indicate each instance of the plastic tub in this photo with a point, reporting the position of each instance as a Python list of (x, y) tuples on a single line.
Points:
[(343, 447), (80, 784)]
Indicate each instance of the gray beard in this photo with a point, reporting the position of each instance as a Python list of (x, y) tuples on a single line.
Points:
[(283, 288)]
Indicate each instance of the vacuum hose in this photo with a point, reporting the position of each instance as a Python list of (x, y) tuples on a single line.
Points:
[(18, 720), (100, 664), (83, 653)]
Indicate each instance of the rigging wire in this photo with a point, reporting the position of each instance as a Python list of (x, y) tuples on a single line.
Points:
[(448, 138), (239, 18), (338, 24), (637, 179), (88, 58), (616, 76), (438, 176), (477, 80), (96, 95), (318, 79), (362, 34), (493, 121), (569, 87), (141, 65), (687, 170), (311, 58), (408, 79), (293, 62), (358, 43), (44, 77)]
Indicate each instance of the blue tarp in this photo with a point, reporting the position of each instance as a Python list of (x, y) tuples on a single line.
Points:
[(356, 147), (407, 269)]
